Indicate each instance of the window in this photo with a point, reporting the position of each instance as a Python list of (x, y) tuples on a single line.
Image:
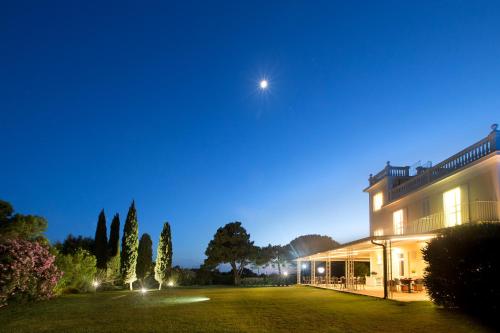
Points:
[(401, 264), (397, 219), (378, 201), (452, 207)]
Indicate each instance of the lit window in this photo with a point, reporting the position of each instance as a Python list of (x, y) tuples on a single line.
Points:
[(397, 219), (378, 201), (452, 207), (378, 232)]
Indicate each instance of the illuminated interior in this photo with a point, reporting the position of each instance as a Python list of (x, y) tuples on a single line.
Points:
[(397, 218), (452, 207), (378, 201)]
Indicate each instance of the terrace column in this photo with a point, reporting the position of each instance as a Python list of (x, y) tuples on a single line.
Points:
[(299, 270), (328, 271), (313, 272)]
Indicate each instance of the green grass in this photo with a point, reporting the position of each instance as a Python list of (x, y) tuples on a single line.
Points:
[(286, 309)]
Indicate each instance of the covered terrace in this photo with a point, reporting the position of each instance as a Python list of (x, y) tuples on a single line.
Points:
[(395, 267)]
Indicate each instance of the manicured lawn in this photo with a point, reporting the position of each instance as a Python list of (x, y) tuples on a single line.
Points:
[(286, 309)]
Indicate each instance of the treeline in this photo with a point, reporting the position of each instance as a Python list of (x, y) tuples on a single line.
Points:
[(116, 265), (232, 245), (34, 269)]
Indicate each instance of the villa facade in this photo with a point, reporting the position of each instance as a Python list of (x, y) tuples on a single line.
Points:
[(408, 207)]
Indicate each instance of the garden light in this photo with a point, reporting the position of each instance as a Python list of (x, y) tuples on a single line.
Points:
[(170, 283), (95, 284), (143, 290)]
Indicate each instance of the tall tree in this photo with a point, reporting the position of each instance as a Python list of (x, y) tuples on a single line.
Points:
[(164, 255), (144, 258), (101, 241), (130, 243), (231, 244), (114, 236), (276, 255), (309, 244)]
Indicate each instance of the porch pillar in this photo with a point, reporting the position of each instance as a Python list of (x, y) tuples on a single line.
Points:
[(299, 270), (313, 272), (328, 271)]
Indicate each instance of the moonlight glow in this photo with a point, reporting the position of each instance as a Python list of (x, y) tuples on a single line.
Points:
[(263, 84)]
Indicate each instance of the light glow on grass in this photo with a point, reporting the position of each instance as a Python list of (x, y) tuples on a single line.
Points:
[(170, 283), (144, 290)]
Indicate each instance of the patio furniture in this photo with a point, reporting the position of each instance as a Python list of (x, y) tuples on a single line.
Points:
[(418, 285), (406, 285)]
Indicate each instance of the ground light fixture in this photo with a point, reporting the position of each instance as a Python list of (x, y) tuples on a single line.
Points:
[(170, 283), (321, 270), (144, 290), (95, 284)]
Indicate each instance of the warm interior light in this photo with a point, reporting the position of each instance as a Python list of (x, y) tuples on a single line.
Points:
[(397, 219), (452, 207), (378, 201)]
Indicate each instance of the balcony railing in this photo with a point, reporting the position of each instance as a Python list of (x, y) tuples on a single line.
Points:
[(408, 183), (475, 212)]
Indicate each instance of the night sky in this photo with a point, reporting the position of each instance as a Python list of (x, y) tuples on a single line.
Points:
[(160, 102)]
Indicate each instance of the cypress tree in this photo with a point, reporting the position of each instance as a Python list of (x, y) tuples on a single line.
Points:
[(144, 258), (114, 236), (164, 255), (130, 243), (101, 242)]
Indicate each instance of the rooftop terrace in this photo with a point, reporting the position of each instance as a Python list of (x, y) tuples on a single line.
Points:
[(407, 183)]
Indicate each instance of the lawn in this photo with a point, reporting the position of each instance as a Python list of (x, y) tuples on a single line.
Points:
[(286, 309)]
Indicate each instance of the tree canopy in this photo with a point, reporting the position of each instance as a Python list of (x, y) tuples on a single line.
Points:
[(309, 244), (231, 244), (164, 255), (114, 236), (144, 257), (13, 226), (74, 243), (101, 241), (130, 243)]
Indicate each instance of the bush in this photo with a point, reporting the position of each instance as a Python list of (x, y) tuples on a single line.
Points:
[(79, 271), (27, 271), (463, 269)]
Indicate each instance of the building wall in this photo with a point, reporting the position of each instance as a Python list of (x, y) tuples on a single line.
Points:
[(478, 182)]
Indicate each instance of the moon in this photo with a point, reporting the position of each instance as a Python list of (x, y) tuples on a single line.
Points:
[(263, 84)]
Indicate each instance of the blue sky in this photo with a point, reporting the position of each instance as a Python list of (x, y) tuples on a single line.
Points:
[(102, 103)]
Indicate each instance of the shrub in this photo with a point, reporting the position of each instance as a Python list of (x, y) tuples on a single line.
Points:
[(79, 271), (27, 271), (463, 269)]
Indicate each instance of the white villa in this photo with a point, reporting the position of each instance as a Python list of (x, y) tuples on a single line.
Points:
[(407, 209)]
